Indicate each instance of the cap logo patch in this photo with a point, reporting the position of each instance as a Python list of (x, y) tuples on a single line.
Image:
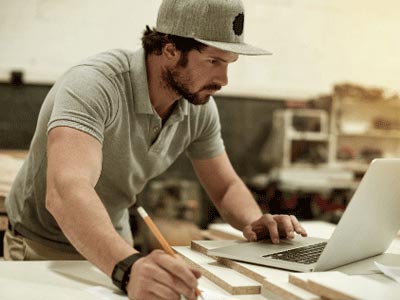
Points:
[(238, 24)]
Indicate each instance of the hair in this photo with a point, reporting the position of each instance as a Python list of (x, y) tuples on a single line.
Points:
[(153, 42)]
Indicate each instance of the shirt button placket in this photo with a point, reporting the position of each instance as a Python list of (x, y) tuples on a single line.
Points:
[(155, 131)]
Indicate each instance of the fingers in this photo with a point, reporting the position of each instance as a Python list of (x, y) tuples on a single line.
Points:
[(285, 226), (177, 267), (249, 234), (169, 274), (160, 291), (196, 273), (173, 284), (255, 231), (273, 226), (262, 228), (297, 227)]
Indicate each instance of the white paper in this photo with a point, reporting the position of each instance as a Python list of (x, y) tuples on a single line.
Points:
[(390, 271), (104, 293), (212, 295)]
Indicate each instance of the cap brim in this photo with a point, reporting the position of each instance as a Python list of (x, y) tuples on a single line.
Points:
[(238, 48)]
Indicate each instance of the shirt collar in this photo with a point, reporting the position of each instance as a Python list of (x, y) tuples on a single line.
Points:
[(140, 86)]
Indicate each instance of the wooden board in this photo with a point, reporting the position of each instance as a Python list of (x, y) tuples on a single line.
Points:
[(339, 286), (274, 281), (255, 272), (203, 246), (300, 279), (3, 223), (2, 203), (226, 278), (286, 290), (225, 232), (14, 153), (9, 167)]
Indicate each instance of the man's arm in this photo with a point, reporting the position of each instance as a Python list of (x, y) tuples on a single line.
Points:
[(74, 167), (229, 194), (236, 204)]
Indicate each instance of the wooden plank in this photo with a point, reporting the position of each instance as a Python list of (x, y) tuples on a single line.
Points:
[(2, 203), (274, 281), (226, 278), (9, 167), (3, 223), (203, 246), (287, 291), (339, 286), (255, 272), (15, 153), (207, 235), (5, 189), (329, 292), (302, 279), (225, 231)]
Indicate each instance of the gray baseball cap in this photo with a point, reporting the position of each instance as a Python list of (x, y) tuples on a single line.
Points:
[(216, 23)]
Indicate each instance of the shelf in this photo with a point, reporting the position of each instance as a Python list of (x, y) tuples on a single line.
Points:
[(353, 165), (3, 223), (309, 136), (380, 134), (2, 204), (382, 104)]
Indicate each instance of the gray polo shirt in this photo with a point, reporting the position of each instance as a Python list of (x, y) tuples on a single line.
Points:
[(106, 96)]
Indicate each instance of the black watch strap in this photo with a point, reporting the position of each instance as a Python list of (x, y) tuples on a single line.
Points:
[(122, 270)]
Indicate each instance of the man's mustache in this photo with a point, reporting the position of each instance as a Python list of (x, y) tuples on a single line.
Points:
[(214, 87)]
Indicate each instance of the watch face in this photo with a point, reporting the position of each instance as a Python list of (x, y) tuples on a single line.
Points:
[(119, 273)]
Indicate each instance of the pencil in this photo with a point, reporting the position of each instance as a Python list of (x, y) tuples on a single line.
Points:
[(164, 244)]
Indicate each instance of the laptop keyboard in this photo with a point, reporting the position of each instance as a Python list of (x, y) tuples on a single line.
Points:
[(304, 255)]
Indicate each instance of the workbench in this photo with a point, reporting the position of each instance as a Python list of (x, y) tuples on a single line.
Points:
[(80, 280)]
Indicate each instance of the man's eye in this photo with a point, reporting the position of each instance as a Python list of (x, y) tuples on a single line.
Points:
[(213, 61)]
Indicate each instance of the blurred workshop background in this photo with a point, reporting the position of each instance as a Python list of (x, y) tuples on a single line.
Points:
[(300, 126)]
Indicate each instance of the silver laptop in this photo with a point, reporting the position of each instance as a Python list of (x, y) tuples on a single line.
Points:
[(367, 228)]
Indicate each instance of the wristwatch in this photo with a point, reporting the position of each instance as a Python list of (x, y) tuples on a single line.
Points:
[(122, 270)]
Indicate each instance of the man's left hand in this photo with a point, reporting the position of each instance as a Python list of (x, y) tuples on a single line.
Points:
[(273, 227)]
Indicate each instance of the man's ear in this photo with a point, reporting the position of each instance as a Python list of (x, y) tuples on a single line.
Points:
[(170, 51)]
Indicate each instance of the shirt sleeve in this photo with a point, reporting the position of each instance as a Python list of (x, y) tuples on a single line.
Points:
[(208, 142), (84, 100)]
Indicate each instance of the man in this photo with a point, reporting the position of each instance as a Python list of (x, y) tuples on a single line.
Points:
[(115, 121)]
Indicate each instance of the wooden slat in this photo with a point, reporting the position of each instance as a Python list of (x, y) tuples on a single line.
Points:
[(335, 285), (287, 291), (226, 278), (255, 272), (300, 279), (2, 204), (203, 246), (273, 280), (3, 223), (15, 153), (9, 167), (225, 231)]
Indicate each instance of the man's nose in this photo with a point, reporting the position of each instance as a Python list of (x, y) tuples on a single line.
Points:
[(222, 76)]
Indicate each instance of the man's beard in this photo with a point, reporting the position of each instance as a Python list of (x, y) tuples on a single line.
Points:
[(174, 80)]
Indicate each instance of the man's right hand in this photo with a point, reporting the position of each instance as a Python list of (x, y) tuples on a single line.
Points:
[(162, 276)]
